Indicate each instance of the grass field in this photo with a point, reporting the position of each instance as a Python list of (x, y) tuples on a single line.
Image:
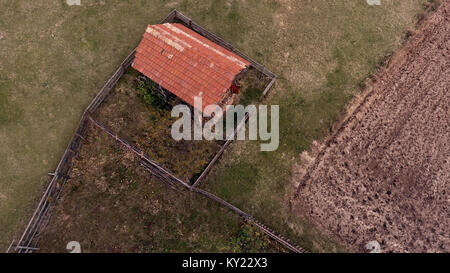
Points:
[(54, 59)]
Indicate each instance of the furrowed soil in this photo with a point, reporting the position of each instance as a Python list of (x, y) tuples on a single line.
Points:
[(384, 175)]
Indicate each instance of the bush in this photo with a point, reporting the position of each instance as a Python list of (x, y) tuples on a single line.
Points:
[(148, 91), (249, 240)]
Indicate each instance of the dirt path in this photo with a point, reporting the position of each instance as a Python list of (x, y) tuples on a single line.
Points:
[(385, 175)]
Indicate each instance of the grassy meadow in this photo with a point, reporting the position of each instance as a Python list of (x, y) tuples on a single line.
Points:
[(54, 58)]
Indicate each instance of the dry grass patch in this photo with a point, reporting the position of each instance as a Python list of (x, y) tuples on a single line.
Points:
[(111, 204)]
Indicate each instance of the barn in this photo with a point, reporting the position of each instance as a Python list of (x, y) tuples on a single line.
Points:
[(188, 65)]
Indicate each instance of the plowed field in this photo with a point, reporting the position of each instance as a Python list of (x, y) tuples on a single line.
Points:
[(385, 174)]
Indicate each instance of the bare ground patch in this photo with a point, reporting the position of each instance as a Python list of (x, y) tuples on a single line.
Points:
[(384, 175)]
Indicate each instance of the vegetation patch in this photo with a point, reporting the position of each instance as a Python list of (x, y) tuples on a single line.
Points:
[(111, 204), (250, 239), (8, 112), (74, 50), (136, 113), (252, 84)]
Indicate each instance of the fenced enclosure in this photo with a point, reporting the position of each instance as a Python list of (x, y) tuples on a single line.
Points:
[(28, 242)]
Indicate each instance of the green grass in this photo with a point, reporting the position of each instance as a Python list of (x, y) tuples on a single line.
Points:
[(148, 127), (54, 59), (113, 205), (322, 52)]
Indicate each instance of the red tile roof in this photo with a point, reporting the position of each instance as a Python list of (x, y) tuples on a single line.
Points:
[(186, 63)]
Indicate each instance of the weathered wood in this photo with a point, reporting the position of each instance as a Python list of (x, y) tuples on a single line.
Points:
[(112, 81), (167, 177), (267, 89), (36, 219), (10, 245), (220, 152), (250, 219), (221, 201), (277, 238), (46, 219), (160, 176), (218, 40), (26, 248), (45, 207), (81, 137), (139, 153), (170, 17)]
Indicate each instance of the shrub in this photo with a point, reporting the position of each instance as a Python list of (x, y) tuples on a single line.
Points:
[(148, 91), (249, 240)]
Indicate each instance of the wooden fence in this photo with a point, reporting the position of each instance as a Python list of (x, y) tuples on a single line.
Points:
[(44, 211), (42, 214), (167, 177)]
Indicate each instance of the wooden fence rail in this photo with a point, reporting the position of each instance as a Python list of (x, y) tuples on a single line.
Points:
[(43, 213), (216, 39), (140, 154), (220, 152), (167, 177), (62, 172)]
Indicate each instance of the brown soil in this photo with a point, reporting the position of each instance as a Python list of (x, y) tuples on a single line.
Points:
[(111, 204), (384, 175), (149, 128)]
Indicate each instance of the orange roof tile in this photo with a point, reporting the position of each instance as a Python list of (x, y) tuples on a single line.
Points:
[(186, 63)]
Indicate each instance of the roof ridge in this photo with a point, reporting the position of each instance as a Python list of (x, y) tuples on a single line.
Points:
[(215, 50), (187, 64)]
